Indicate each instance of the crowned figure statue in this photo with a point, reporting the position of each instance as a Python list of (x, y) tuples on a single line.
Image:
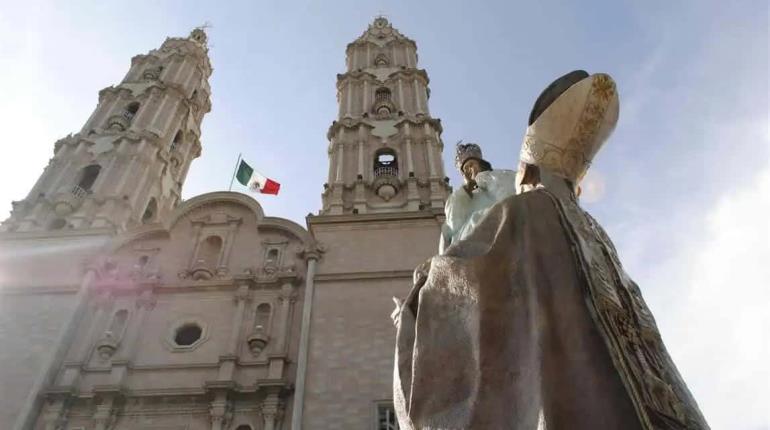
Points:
[(526, 319), (483, 188)]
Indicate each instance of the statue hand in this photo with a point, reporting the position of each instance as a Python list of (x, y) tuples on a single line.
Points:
[(396, 312)]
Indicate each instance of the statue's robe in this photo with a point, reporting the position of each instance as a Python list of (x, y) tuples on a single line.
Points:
[(530, 322)]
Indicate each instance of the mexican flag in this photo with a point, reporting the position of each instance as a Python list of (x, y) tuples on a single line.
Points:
[(249, 177)]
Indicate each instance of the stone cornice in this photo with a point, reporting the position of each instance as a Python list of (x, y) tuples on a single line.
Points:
[(361, 76), (54, 234), (363, 42), (354, 123), (358, 276), (318, 220)]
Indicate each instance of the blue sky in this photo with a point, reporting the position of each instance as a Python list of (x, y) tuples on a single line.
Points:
[(682, 186)]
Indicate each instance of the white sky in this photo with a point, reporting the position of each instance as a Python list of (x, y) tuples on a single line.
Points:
[(682, 186)]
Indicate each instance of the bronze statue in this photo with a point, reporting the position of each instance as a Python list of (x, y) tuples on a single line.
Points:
[(528, 320)]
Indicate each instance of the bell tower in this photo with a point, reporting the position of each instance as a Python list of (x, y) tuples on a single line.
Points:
[(383, 207), (384, 148), (128, 163)]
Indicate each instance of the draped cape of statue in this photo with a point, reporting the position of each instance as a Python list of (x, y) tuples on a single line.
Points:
[(530, 322)]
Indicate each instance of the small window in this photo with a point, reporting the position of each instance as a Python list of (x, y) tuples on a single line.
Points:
[(243, 427), (188, 334), (150, 211), (386, 417)]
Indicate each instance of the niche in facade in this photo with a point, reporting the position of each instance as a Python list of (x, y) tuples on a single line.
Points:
[(259, 337), (207, 260), (107, 345)]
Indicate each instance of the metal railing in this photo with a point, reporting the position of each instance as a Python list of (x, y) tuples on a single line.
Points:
[(385, 171), (79, 192)]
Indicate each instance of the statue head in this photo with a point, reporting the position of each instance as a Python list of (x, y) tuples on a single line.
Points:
[(569, 123), (469, 160)]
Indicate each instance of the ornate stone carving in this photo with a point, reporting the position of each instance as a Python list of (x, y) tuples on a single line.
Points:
[(257, 340), (106, 346)]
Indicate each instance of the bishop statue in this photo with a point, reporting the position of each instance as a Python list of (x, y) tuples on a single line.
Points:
[(527, 319)]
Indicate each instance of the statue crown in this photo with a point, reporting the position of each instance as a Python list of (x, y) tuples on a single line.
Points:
[(464, 151)]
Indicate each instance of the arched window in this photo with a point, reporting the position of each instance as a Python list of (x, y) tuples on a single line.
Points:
[(118, 323), (209, 251), (243, 427), (131, 110), (382, 95), (262, 318), (385, 163), (88, 176), (150, 211)]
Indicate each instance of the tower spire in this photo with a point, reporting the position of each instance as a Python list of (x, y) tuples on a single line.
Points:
[(128, 163), (384, 148)]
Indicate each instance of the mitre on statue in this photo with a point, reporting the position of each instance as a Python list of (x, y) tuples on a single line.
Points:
[(569, 123)]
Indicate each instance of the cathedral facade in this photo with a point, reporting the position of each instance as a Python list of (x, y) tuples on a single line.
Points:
[(123, 306)]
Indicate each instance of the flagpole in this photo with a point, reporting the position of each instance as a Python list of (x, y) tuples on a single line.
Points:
[(237, 163)]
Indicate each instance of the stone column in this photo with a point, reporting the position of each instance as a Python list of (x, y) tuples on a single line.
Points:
[(429, 148), (55, 414), (144, 304), (196, 236), (102, 303), (219, 411), (227, 361), (271, 409), (348, 96), (340, 161), (304, 340), (417, 97), (224, 259), (241, 297), (408, 140), (104, 416), (286, 300)]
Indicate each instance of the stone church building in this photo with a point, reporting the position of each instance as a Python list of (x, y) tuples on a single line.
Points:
[(124, 307)]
